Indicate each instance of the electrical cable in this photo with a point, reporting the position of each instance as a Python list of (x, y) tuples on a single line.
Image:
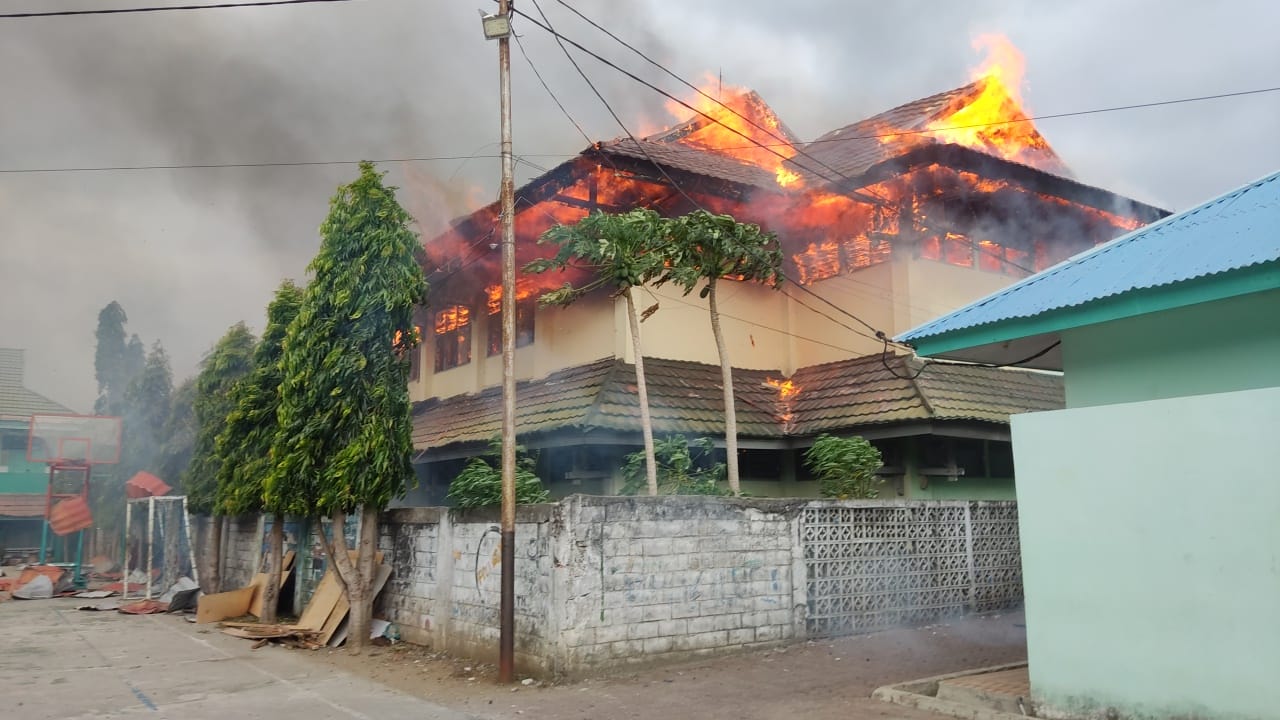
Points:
[(162, 8), (560, 40), (305, 163), (768, 131)]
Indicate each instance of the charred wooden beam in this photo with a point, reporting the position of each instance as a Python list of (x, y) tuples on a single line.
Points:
[(591, 204), (958, 157)]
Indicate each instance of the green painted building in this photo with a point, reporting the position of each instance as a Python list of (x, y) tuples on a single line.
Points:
[(22, 483), (1148, 507)]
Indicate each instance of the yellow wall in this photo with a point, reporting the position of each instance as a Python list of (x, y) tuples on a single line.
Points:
[(764, 329)]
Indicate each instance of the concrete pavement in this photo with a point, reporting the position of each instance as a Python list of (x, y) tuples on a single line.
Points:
[(60, 663)]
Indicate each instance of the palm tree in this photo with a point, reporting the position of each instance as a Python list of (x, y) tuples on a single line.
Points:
[(703, 248), (624, 251)]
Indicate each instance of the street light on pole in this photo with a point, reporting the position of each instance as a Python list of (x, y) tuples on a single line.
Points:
[(498, 27)]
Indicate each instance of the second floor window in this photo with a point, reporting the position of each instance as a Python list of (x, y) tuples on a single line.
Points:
[(453, 337), (524, 326)]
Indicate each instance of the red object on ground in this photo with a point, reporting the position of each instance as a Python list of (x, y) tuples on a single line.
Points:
[(119, 587), (53, 573), (70, 515), (144, 607), (144, 484)]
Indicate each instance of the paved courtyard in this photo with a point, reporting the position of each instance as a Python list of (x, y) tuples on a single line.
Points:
[(58, 662)]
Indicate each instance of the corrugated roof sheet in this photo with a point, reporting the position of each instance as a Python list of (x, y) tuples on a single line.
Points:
[(1232, 232), (685, 397)]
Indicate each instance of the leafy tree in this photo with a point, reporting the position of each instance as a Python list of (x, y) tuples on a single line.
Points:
[(344, 441), (703, 249), (683, 468), (245, 442), (845, 467), (229, 360), (479, 484), (624, 252)]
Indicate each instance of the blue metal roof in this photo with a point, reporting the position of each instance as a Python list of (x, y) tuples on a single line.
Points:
[(1238, 230)]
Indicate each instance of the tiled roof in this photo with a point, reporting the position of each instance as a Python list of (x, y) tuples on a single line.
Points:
[(685, 397), (15, 399), (1226, 234), (22, 504), (694, 160), (863, 391)]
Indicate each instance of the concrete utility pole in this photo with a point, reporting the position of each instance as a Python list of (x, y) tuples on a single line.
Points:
[(498, 27)]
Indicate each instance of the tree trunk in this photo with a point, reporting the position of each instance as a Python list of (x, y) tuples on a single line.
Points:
[(213, 554), (275, 560), (357, 579), (730, 410), (642, 391)]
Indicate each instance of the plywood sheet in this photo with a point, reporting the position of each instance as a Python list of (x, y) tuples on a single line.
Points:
[(338, 619), (220, 606)]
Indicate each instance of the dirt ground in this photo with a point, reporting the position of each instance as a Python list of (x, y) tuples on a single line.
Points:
[(821, 680)]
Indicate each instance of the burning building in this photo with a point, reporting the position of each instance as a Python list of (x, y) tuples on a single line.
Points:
[(894, 219)]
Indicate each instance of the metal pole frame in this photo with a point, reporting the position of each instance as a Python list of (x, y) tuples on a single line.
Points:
[(191, 543), (151, 529), (124, 574)]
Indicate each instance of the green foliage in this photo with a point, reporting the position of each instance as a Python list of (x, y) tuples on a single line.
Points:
[(682, 468), (245, 441), (705, 247), (179, 435), (845, 467), (480, 482), (229, 361), (622, 251), (344, 435)]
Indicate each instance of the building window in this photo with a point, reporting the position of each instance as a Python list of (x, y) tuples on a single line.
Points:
[(524, 326), (453, 337), (413, 349)]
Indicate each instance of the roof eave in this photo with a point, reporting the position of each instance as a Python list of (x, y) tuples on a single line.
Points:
[(1000, 341)]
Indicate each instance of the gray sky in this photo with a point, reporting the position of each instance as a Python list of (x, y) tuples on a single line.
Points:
[(190, 252)]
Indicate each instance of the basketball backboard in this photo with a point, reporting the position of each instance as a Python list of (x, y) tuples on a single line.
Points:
[(74, 439)]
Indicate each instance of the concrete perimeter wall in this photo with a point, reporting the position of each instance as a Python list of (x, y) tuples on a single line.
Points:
[(604, 582), (607, 582)]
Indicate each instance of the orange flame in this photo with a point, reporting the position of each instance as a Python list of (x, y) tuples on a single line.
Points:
[(451, 318), (787, 389), (524, 289), (993, 120), (736, 122)]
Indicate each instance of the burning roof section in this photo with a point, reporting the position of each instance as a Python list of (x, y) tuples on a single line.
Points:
[(962, 176)]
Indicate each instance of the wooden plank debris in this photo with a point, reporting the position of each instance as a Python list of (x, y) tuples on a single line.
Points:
[(224, 605)]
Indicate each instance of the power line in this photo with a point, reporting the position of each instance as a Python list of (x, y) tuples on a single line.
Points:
[(771, 133), (560, 40), (305, 163), (878, 198), (161, 8)]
